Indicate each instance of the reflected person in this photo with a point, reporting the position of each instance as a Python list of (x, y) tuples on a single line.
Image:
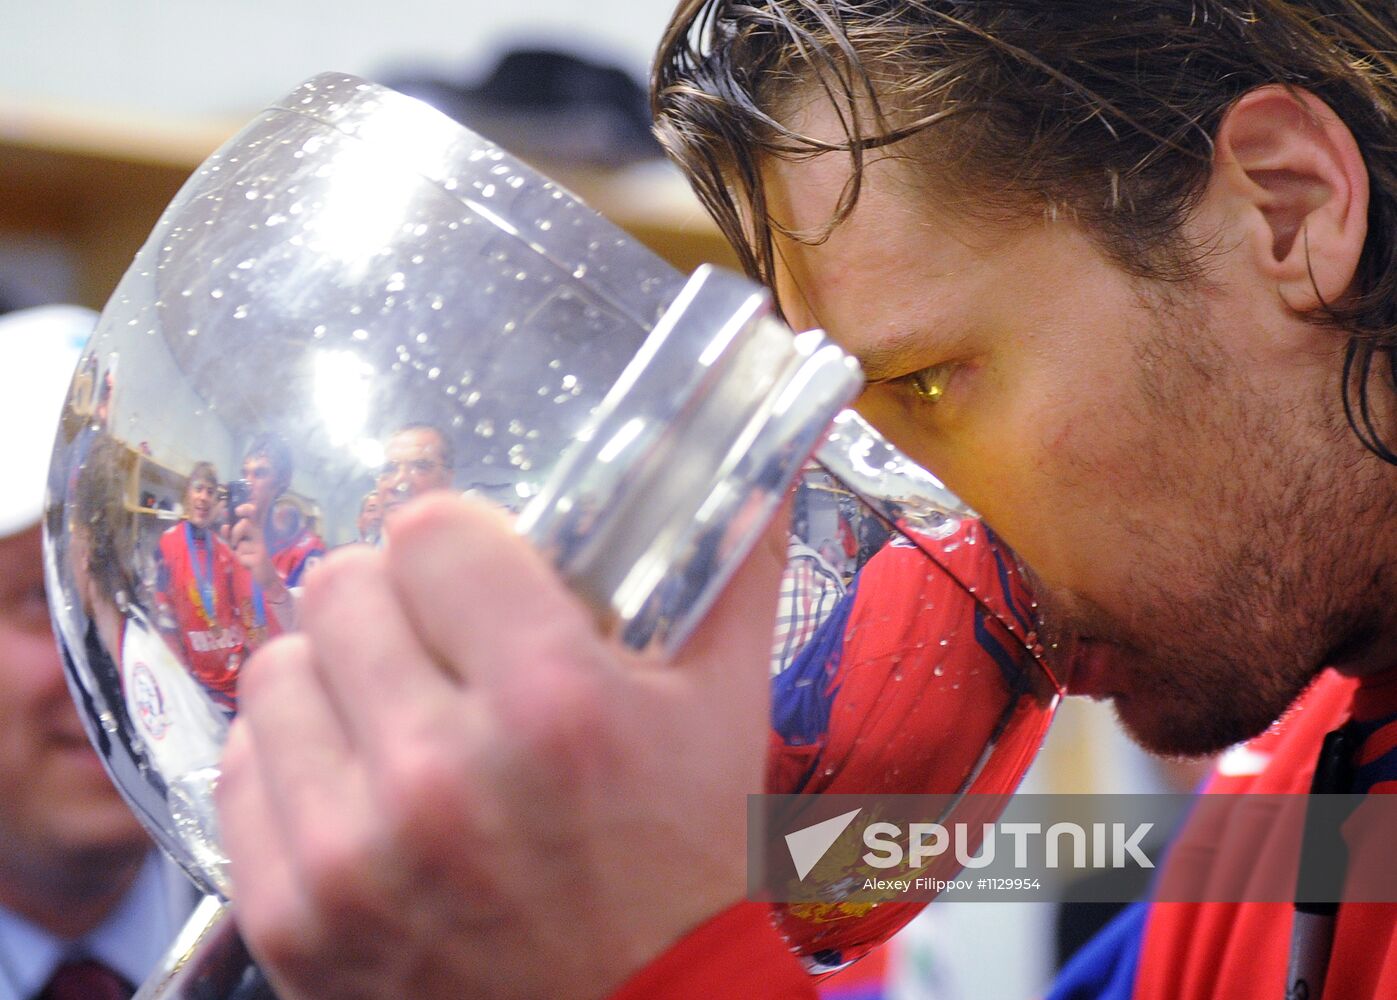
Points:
[(267, 468), (418, 459), (179, 719), (204, 595)]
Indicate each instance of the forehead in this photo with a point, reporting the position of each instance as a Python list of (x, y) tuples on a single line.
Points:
[(416, 442), (898, 250)]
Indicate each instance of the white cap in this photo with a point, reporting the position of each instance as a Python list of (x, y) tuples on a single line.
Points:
[(39, 350)]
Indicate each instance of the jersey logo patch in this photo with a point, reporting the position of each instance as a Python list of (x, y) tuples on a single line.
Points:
[(150, 702)]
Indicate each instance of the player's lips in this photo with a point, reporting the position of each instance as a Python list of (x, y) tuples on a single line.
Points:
[(1090, 670)]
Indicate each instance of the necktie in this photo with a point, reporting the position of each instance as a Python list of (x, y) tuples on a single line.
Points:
[(86, 979)]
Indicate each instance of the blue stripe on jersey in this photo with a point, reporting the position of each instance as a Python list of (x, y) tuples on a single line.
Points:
[(801, 695), (294, 577), (1382, 769), (1106, 966), (1024, 616), (1014, 678)]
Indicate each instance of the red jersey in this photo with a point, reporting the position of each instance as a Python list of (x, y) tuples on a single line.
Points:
[(207, 599), (1191, 951), (1207, 951), (294, 555)]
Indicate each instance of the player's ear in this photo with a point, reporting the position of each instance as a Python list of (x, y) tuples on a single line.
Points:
[(1294, 176)]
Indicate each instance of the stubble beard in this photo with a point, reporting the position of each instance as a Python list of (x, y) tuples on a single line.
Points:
[(1273, 563)]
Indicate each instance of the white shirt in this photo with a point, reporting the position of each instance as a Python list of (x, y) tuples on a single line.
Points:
[(131, 941), (180, 727)]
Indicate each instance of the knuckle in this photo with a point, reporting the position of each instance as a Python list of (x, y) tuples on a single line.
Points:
[(424, 521), (566, 717), (259, 675), (337, 575), (342, 875), (424, 791), (439, 818)]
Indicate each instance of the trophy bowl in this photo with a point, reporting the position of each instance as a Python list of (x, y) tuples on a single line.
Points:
[(357, 300)]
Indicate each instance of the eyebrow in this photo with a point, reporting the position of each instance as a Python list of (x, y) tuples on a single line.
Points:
[(895, 356), (892, 358)]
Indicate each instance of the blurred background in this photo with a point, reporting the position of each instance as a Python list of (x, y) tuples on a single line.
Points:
[(106, 107)]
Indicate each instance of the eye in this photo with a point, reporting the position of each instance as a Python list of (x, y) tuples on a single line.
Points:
[(929, 384)]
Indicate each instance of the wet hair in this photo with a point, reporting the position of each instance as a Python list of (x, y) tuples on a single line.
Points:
[(273, 448), (1105, 114)]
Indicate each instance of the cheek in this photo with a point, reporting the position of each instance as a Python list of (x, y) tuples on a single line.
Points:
[(1034, 458), (31, 682)]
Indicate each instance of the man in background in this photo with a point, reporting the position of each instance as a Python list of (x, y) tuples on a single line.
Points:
[(418, 459), (86, 906)]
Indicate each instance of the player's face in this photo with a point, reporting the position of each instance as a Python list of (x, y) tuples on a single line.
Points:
[(413, 465), (56, 801), (200, 502), (258, 471), (1168, 475)]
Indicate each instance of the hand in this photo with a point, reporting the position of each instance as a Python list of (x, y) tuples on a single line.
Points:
[(249, 544), (450, 784), (246, 539)]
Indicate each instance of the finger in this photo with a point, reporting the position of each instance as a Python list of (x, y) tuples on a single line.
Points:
[(266, 896), (382, 682), (314, 862), (307, 769), (241, 530), (485, 601)]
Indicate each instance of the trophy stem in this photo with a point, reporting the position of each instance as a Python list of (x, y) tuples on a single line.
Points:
[(206, 960)]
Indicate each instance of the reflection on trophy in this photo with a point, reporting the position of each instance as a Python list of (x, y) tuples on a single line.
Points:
[(356, 302)]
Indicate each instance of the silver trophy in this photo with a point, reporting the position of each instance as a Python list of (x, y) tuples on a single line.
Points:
[(357, 300)]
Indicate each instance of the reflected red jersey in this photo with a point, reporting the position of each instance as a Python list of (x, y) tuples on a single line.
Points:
[(915, 665), (207, 605), (296, 554)]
